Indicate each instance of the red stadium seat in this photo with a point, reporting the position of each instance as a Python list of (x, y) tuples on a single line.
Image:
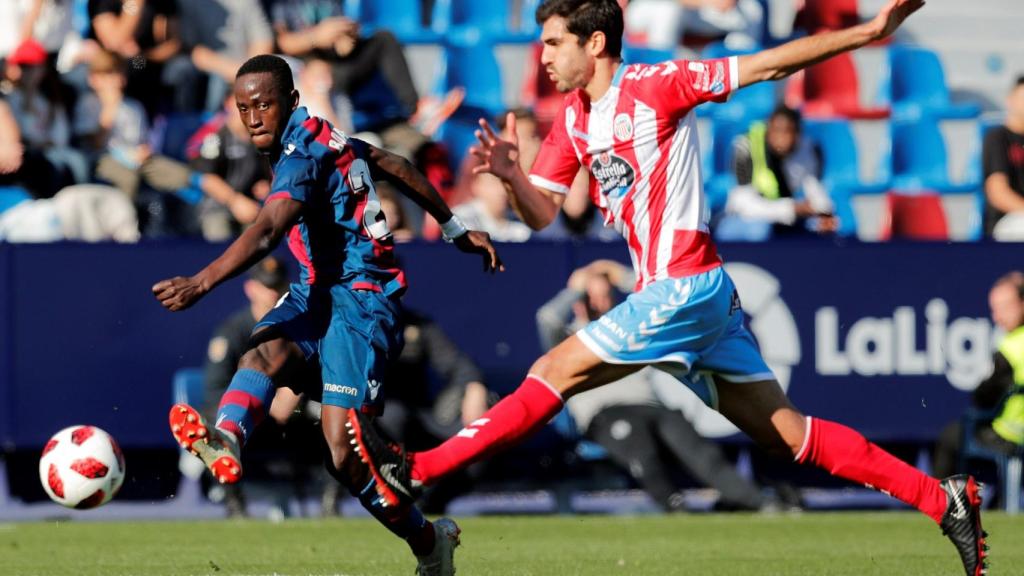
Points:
[(914, 217), (819, 15), (831, 89), (539, 92)]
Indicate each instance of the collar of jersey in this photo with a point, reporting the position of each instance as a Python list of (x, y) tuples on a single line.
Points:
[(616, 80)]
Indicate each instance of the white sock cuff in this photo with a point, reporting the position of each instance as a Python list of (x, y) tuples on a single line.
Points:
[(548, 385), (807, 440)]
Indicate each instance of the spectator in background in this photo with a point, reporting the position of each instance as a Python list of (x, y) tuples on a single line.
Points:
[(220, 36), (489, 211), (222, 148), (42, 119), (1003, 169), (777, 188), (664, 23), (626, 417), (440, 391), (394, 213), (1000, 396), (289, 436), (363, 82), (146, 34)]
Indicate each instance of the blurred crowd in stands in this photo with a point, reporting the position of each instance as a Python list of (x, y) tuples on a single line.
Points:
[(117, 120)]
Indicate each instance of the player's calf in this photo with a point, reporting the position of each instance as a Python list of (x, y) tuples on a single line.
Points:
[(216, 448), (392, 472)]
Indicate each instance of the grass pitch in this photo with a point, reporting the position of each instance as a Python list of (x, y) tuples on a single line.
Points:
[(813, 544)]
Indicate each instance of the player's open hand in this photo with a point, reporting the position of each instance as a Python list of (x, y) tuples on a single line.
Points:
[(497, 156), (178, 293), (894, 13), (474, 242)]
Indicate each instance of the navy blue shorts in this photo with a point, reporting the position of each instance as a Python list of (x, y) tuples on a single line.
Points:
[(354, 334)]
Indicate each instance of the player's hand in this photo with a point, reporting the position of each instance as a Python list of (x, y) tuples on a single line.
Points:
[(474, 242), (497, 156), (890, 18), (178, 293)]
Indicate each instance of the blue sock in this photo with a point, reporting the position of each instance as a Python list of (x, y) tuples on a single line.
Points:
[(404, 521), (245, 403)]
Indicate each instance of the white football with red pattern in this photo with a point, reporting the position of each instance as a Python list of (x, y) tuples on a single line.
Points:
[(81, 467)]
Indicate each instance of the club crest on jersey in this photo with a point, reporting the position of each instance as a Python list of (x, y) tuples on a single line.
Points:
[(623, 127), (718, 81), (613, 174)]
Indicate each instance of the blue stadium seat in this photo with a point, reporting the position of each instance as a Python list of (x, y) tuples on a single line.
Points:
[(754, 102), (457, 134), (490, 20), (587, 450), (1008, 466), (475, 68), (916, 85), (918, 158), (404, 18), (635, 54), (11, 196), (172, 132), (720, 178)]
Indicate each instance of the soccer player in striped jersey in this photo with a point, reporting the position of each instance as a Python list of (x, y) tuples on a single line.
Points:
[(343, 312), (633, 127)]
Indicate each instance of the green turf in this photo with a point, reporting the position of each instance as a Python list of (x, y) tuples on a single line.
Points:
[(817, 544)]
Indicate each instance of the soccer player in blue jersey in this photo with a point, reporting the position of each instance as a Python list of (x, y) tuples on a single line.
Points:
[(343, 311)]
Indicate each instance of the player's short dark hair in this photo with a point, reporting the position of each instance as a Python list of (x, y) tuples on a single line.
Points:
[(273, 65), (584, 17), (1019, 82), (791, 114)]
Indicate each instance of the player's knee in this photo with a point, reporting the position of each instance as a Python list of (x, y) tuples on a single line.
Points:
[(252, 360), (543, 367)]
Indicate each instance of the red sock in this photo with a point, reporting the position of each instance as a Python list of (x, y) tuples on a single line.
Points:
[(844, 452), (514, 418)]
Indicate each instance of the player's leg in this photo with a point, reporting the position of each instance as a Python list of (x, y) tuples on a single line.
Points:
[(762, 410), (567, 369), (354, 354), (243, 406)]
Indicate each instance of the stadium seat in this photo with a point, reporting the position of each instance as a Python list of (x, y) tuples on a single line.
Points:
[(830, 89), (636, 54), (753, 102), (11, 196), (719, 177), (171, 133), (819, 15), (404, 18), (917, 216), (916, 85), (1008, 466), (490, 21), (475, 68), (918, 158)]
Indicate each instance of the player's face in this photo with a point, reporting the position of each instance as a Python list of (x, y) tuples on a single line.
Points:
[(567, 62), (262, 109), (782, 135), (1007, 307)]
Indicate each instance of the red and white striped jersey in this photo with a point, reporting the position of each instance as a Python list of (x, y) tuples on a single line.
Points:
[(639, 143)]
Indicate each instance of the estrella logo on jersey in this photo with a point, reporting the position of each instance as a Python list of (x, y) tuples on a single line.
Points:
[(613, 174)]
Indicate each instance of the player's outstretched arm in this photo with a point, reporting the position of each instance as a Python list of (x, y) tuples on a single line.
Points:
[(259, 240), (536, 207), (412, 183), (779, 62)]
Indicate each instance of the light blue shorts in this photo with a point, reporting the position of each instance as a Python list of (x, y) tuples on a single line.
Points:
[(690, 327)]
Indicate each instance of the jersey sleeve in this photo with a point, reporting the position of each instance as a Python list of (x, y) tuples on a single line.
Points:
[(294, 178), (557, 163), (679, 85)]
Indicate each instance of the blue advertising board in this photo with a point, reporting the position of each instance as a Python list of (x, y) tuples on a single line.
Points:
[(888, 338)]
